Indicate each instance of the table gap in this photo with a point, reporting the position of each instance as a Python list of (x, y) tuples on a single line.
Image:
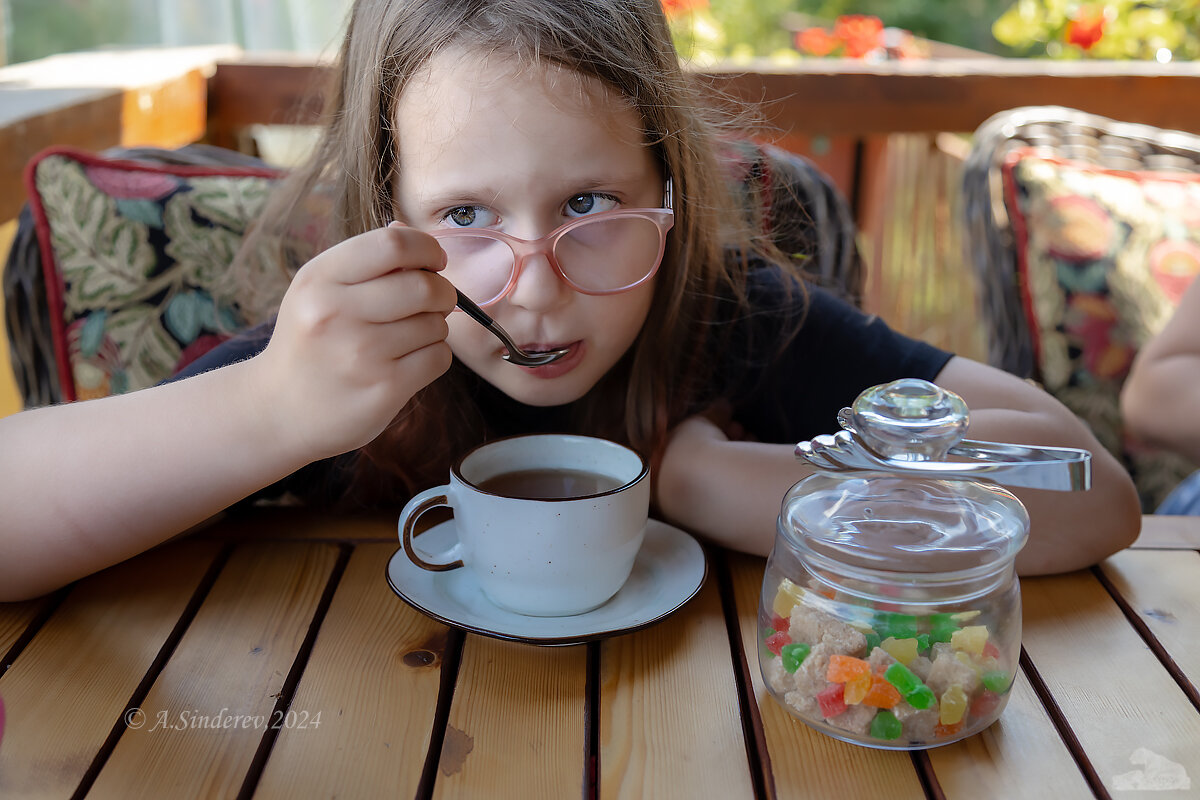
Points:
[(926, 775), (288, 691), (1143, 630), (153, 671), (49, 605), (591, 724), (1063, 727), (451, 661), (752, 727)]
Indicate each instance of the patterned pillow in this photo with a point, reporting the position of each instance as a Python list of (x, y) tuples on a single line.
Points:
[(137, 260), (1103, 258)]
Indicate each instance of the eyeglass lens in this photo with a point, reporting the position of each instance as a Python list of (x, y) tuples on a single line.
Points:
[(601, 256)]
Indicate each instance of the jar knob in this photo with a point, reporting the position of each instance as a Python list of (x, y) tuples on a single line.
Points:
[(908, 420)]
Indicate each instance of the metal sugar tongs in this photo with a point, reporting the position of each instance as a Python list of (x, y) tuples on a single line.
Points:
[(909, 427)]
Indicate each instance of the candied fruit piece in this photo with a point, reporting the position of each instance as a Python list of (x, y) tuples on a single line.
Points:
[(984, 705), (886, 726), (996, 680), (902, 678), (786, 598), (903, 650), (970, 639), (843, 668), (897, 626), (953, 706), (793, 655), (942, 731), (921, 698), (991, 651), (832, 700), (779, 623), (777, 640), (857, 688), (881, 694)]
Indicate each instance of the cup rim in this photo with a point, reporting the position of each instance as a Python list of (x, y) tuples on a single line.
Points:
[(456, 468)]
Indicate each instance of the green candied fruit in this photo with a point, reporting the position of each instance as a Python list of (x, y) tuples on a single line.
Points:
[(873, 640), (793, 655), (996, 680), (922, 642), (886, 726), (941, 627), (921, 698), (897, 626), (903, 678)]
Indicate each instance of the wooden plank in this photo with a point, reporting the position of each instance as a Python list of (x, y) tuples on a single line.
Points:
[(303, 524), (68, 689), (670, 721), (1020, 755), (15, 619), (201, 723), (1163, 588), (803, 762), (10, 397), (1161, 532), (1116, 696), (516, 727), (369, 691)]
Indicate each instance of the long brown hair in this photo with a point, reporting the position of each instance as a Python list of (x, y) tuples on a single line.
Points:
[(626, 45)]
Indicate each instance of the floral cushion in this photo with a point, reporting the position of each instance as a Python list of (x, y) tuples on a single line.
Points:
[(138, 264), (1103, 258)]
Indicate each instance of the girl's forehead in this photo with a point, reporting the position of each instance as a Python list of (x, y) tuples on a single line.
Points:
[(484, 73)]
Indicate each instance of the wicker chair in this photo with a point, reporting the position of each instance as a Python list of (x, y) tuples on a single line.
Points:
[(1083, 142), (802, 209), (1057, 132)]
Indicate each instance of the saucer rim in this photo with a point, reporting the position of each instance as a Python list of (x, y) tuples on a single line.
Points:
[(558, 641)]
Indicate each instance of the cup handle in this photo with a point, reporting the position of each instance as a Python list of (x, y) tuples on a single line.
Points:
[(448, 559)]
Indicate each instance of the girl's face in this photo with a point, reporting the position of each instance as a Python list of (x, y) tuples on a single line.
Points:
[(483, 143)]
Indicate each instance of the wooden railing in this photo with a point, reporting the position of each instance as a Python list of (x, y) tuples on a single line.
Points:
[(879, 130)]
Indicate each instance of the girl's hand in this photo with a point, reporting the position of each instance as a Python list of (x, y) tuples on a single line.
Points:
[(361, 329)]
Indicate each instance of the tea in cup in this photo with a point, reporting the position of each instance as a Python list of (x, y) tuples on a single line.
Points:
[(550, 524)]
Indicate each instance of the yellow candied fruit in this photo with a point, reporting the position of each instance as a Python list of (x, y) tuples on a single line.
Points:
[(970, 639), (787, 597), (953, 706), (903, 650), (857, 688), (965, 659), (965, 616)]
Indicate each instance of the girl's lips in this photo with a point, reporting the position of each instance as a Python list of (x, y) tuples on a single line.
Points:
[(559, 367)]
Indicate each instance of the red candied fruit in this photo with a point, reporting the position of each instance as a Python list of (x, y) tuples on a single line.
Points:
[(776, 641), (779, 623), (832, 700), (984, 705)]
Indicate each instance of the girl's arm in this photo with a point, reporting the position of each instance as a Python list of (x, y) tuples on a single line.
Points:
[(85, 485), (730, 491), (1161, 398)]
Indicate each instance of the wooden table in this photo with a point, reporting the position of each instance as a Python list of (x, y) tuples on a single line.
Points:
[(267, 656)]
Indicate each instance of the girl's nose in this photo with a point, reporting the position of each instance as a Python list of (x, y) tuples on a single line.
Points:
[(538, 287)]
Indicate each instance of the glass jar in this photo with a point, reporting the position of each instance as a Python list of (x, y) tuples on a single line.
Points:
[(890, 613)]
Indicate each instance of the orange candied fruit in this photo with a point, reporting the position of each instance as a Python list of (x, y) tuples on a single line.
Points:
[(846, 668), (881, 694), (942, 731)]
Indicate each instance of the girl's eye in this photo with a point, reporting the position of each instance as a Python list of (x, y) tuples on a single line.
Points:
[(590, 203), (469, 217)]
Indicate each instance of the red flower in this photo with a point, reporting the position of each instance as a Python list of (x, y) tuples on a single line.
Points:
[(1087, 28), (674, 8), (861, 34), (816, 41)]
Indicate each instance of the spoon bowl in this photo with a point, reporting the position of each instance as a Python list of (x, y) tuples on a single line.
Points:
[(515, 354)]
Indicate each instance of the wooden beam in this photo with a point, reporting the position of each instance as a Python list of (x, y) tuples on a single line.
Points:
[(95, 100), (846, 97)]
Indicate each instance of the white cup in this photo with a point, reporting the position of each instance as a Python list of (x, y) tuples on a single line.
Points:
[(546, 557)]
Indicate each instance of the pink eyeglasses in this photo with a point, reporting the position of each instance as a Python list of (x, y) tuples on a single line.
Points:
[(605, 253)]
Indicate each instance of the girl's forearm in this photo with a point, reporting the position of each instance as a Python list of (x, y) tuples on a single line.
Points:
[(88, 484)]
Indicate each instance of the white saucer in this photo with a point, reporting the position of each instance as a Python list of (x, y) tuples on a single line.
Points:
[(669, 570)]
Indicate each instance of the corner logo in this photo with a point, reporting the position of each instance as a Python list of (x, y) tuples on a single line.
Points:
[(1157, 774)]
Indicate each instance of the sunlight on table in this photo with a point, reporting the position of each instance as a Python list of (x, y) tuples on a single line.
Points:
[(10, 400)]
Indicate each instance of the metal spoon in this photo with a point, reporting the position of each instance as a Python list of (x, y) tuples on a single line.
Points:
[(515, 354)]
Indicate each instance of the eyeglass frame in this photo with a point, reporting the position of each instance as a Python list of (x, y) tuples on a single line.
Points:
[(662, 218)]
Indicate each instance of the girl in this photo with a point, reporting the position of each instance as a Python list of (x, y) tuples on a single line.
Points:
[(570, 124)]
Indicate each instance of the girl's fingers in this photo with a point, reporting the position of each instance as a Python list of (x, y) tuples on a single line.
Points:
[(376, 253), (399, 294)]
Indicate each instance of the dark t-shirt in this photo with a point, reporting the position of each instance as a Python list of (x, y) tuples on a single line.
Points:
[(778, 396)]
